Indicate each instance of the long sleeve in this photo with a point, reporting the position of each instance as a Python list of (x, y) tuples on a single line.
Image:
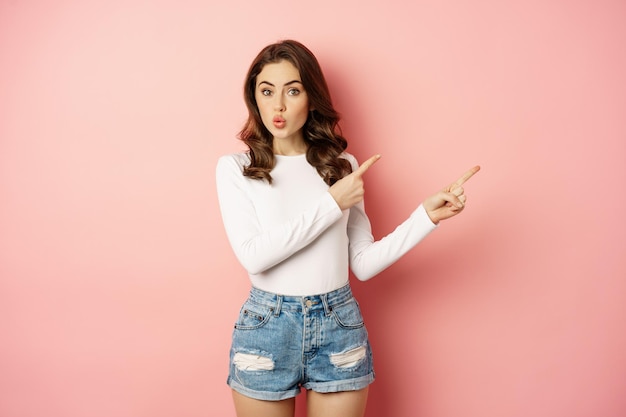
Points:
[(258, 246), (369, 257)]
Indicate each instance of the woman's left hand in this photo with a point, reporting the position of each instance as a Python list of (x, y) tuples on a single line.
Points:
[(450, 201)]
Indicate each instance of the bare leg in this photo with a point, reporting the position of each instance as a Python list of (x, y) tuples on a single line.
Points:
[(337, 404), (249, 407)]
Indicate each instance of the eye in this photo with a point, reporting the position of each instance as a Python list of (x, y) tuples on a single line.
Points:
[(293, 92), (266, 92)]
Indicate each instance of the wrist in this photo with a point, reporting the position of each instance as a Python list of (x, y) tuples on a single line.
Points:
[(433, 218)]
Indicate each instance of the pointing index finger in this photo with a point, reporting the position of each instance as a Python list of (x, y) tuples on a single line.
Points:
[(469, 174), (366, 165)]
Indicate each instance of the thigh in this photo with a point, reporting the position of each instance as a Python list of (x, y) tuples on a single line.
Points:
[(337, 404), (266, 353), (249, 407)]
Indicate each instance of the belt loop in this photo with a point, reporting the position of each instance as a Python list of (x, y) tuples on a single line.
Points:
[(327, 308), (279, 305)]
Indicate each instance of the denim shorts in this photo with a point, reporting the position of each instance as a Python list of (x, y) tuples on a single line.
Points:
[(282, 343)]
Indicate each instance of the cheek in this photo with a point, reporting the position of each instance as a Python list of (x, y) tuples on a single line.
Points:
[(304, 110), (264, 110)]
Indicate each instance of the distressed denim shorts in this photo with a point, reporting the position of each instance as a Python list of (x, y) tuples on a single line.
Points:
[(282, 343)]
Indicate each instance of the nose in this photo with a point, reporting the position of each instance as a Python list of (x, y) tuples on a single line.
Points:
[(279, 103)]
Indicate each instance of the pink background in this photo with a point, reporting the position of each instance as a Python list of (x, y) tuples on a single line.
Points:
[(118, 289)]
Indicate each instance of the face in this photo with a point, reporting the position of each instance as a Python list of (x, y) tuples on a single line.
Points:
[(282, 101)]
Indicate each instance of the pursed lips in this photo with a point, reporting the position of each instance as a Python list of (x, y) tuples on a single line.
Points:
[(279, 122)]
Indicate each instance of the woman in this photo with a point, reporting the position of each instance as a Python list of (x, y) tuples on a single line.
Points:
[(293, 211)]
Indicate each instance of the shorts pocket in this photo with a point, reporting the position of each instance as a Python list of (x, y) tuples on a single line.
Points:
[(253, 316), (348, 315)]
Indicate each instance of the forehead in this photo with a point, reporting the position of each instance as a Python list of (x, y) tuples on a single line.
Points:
[(278, 73)]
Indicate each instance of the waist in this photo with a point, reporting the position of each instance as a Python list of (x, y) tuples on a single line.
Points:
[(325, 301)]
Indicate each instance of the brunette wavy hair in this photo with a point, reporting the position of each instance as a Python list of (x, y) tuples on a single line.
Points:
[(321, 131)]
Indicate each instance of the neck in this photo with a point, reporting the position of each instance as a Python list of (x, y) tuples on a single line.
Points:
[(289, 148)]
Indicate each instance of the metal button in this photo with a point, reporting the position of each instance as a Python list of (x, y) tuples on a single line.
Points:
[(309, 303)]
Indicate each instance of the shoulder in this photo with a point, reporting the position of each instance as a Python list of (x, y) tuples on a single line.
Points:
[(230, 167), (234, 162), (350, 158)]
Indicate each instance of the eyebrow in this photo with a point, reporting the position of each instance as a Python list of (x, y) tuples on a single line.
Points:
[(289, 83)]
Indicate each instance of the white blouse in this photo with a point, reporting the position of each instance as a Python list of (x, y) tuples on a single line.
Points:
[(292, 237)]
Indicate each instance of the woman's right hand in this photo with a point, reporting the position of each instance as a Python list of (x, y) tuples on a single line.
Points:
[(349, 190)]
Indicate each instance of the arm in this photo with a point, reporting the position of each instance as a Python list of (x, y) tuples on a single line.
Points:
[(257, 249), (369, 257)]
